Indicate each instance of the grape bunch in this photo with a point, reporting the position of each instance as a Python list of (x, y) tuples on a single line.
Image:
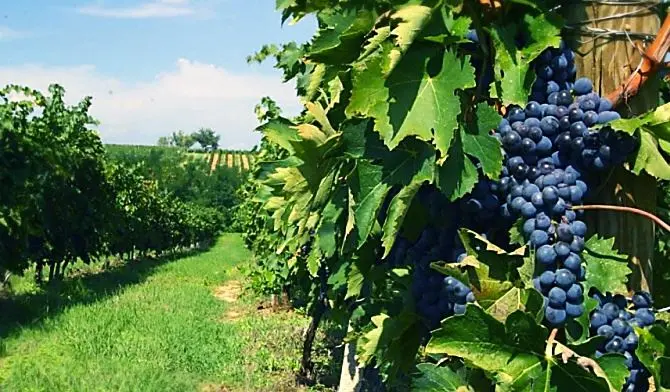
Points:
[(438, 296), (481, 206), (614, 320), (555, 70), (549, 150)]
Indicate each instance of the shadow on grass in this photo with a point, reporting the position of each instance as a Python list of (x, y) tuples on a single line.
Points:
[(31, 309)]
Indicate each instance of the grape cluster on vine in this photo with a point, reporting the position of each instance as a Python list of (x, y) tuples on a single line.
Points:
[(614, 318), (550, 147)]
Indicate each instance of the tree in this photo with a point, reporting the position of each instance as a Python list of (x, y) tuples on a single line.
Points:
[(164, 141), (206, 137), (180, 139)]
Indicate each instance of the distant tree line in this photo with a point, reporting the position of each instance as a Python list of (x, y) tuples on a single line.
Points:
[(203, 136)]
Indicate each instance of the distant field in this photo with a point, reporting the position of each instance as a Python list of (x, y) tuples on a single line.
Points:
[(238, 159), (241, 160)]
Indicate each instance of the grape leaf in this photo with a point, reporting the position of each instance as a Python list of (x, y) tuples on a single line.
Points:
[(513, 352), (529, 300), (481, 145), (339, 42), (433, 378), (516, 233), (654, 352), (390, 341), (606, 269), (369, 95), (649, 159), (280, 132), (577, 329), (409, 21), (494, 270), (422, 90), (486, 343), (413, 162), (614, 366), (654, 131), (655, 122), (458, 175), (396, 214), (512, 66)]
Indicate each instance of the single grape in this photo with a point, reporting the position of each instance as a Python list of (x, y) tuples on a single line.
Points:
[(598, 319), (572, 262), (583, 86), (539, 238), (574, 310), (606, 331), (575, 293), (565, 279), (545, 254), (641, 300), (547, 279), (645, 317), (555, 317)]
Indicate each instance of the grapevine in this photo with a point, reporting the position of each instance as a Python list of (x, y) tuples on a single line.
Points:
[(62, 200), (442, 172)]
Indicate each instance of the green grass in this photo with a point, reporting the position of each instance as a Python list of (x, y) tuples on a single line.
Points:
[(154, 325)]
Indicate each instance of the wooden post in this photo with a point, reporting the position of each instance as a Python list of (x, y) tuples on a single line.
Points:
[(609, 60)]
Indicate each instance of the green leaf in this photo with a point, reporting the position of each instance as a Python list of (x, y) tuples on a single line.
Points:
[(494, 270), (433, 378), (650, 159), (422, 90), (654, 352), (484, 342), (369, 190), (458, 175), (577, 330), (369, 95), (326, 234), (606, 269), (281, 132), (481, 145), (516, 233), (393, 340), (528, 300), (513, 353), (512, 66), (340, 41), (656, 122), (409, 22), (413, 162), (355, 280), (614, 366), (396, 214), (412, 100), (654, 131)]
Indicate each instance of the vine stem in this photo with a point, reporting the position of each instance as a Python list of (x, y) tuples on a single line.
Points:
[(663, 309), (652, 59), (549, 349), (633, 210)]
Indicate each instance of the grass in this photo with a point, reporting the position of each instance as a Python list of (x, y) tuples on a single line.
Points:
[(156, 325)]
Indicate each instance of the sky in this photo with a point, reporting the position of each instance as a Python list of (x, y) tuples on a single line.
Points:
[(152, 66)]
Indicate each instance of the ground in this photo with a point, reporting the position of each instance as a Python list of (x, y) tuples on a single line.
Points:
[(171, 324)]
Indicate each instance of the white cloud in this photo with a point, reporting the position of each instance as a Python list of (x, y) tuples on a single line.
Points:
[(187, 97), (151, 9), (7, 33)]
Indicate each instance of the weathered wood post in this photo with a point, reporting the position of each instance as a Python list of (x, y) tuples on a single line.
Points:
[(609, 38)]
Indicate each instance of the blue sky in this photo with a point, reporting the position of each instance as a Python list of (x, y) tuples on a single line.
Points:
[(152, 66)]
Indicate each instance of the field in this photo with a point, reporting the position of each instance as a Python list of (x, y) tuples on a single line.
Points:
[(163, 325), (242, 160), (238, 159)]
